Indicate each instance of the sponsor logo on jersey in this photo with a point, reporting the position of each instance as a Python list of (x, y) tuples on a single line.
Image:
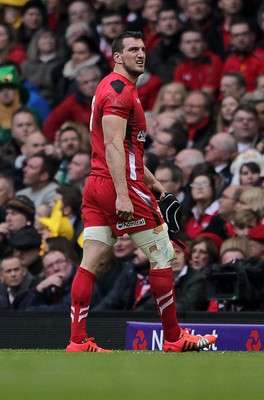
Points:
[(141, 136), (130, 224)]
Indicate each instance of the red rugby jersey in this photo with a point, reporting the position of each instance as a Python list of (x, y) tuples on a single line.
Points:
[(116, 95)]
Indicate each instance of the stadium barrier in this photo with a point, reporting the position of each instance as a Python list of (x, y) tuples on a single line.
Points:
[(50, 330)]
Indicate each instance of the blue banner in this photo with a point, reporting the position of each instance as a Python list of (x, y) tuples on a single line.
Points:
[(235, 337)]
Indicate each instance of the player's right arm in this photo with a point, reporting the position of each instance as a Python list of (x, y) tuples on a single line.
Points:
[(114, 128)]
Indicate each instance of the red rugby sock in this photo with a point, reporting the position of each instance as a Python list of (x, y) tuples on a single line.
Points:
[(162, 288), (81, 293)]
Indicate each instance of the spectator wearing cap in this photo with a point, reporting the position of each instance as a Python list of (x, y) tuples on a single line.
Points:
[(20, 212), (15, 283), (34, 17), (26, 246), (12, 95), (256, 238)]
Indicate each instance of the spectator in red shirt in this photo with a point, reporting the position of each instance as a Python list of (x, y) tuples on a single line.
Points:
[(204, 204), (246, 59), (9, 49), (77, 106), (200, 15), (200, 69), (229, 10)]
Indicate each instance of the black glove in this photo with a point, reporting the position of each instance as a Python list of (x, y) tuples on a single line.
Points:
[(169, 207)]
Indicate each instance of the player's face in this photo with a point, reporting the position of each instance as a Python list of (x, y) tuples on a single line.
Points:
[(133, 56)]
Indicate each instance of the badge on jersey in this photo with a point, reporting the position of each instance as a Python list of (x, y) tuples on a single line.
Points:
[(141, 136)]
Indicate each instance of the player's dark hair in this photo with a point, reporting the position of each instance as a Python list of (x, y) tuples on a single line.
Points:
[(118, 45)]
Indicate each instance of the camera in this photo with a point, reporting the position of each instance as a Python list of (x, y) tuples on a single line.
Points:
[(223, 282), (228, 284)]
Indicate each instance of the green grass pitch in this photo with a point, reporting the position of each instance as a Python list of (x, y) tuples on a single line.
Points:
[(130, 375)]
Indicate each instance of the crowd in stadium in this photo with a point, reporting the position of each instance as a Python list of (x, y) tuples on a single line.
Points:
[(203, 97)]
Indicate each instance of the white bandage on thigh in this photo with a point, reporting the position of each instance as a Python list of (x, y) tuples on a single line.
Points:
[(156, 245), (101, 233)]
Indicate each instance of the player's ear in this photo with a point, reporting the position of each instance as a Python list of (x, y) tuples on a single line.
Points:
[(117, 58)]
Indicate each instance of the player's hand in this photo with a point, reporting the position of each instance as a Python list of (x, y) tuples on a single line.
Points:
[(157, 187), (124, 208)]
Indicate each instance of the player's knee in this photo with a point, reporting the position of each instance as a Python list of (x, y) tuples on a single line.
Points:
[(156, 246)]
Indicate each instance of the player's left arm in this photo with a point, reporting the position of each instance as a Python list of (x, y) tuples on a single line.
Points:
[(153, 184)]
